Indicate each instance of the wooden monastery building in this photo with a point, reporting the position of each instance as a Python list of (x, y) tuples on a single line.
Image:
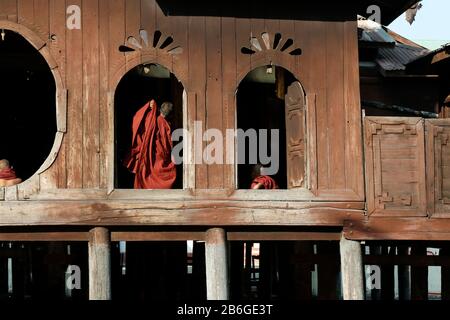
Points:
[(363, 176)]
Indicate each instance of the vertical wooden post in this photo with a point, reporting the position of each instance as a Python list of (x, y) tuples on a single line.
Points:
[(352, 270), (99, 264), (217, 283)]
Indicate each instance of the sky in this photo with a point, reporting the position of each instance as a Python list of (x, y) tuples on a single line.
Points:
[(432, 26)]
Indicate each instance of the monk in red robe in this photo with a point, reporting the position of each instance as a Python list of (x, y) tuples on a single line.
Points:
[(7, 175), (261, 181), (150, 158)]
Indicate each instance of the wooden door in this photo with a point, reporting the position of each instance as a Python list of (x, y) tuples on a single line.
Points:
[(295, 135)]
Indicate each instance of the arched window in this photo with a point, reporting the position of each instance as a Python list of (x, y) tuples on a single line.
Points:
[(140, 85), (27, 105), (271, 98)]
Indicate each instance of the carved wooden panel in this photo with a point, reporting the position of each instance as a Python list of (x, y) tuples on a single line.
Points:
[(295, 135), (395, 166), (438, 165)]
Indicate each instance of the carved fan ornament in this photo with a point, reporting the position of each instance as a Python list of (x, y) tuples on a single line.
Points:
[(159, 41), (267, 42)]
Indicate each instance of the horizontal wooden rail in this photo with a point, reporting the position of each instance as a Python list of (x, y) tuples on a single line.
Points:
[(178, 213)]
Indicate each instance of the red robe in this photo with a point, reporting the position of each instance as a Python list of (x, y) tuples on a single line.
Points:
[(150, 158), (266, 181), (7, 174)]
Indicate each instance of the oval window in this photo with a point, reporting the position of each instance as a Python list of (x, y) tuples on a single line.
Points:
[(27, 106)]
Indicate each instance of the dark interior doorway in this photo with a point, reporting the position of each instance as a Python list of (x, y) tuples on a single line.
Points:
[(260, 105), (27, 105), (139, 86)]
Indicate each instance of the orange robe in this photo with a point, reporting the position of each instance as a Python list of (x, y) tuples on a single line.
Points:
[(266, 181), (150, 158), (7, 174)]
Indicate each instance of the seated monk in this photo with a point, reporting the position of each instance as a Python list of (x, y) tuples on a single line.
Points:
[(150, 158), (261, 181), (7, 175)]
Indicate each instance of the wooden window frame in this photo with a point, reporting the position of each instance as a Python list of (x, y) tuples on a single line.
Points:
[(309, 191), (188, 170), (31, 185)]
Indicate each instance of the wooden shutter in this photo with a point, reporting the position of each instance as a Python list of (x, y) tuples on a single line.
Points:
[(295, 135), (438, 166), (395, 166)]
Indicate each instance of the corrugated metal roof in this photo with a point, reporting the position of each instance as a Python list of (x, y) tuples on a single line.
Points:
[(374, 32), (392, 55), (396, 58)]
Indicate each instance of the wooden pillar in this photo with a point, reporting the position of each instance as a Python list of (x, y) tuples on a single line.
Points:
[(217, 283), (99, 264), (352, 270)]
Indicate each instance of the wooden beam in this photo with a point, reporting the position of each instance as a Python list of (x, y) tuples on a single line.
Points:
[(44, 236), (170, 236), (283, 236), (352, 270), (187, 213), (99, 264), (156, 236), (217, 282), (398, 229), (299, 195)]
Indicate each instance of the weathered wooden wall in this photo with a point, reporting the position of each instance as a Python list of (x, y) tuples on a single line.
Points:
[(210, 67)]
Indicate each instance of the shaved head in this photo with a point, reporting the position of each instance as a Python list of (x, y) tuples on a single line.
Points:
[(166, 108), (4, 164)]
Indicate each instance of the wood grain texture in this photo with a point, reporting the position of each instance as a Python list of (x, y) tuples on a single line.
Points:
[(91, 95), (216, 258), (197, 83), (438, 168), (74, 80), (104, 138), (214, 119), (8, 10), (99, 264), (395, 228), (395, 197), (201, 213), (210, 65), (352, 270)]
